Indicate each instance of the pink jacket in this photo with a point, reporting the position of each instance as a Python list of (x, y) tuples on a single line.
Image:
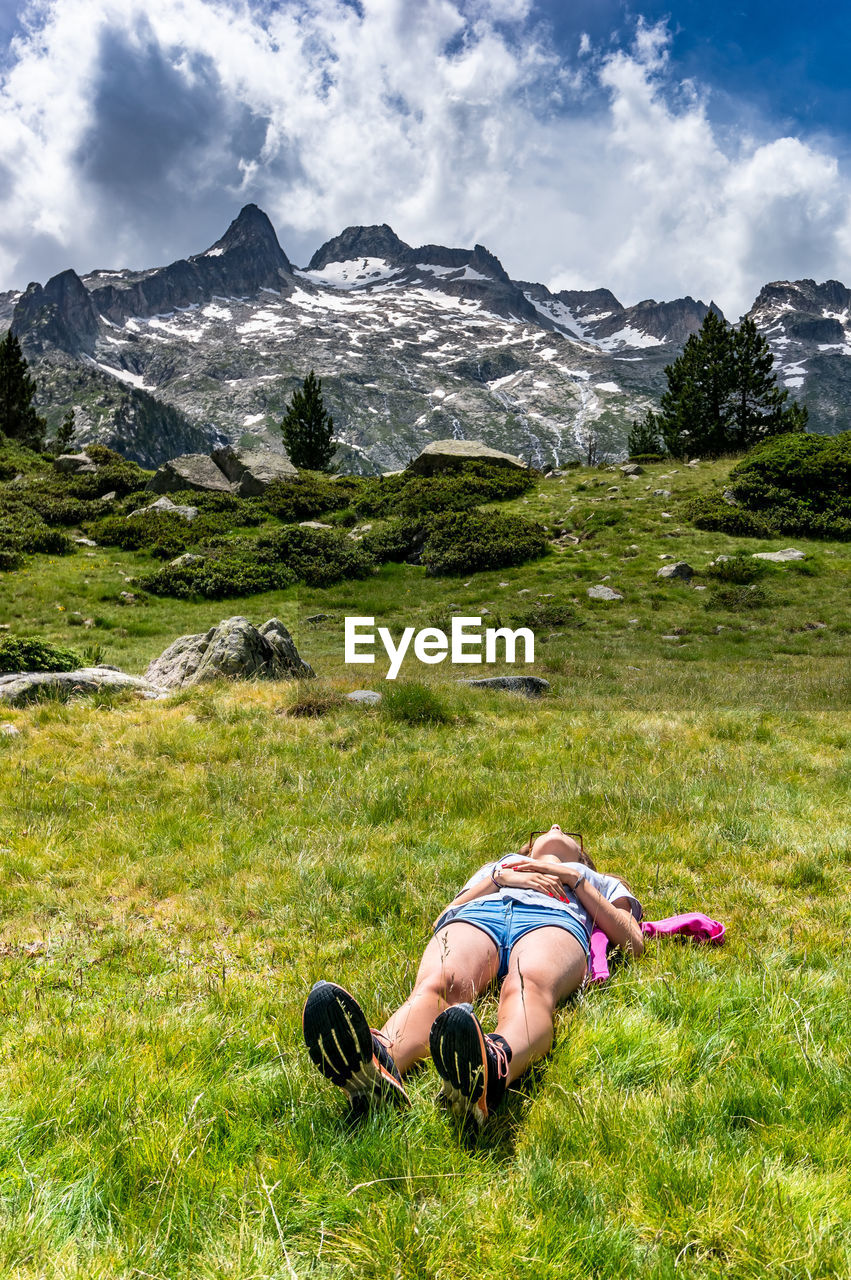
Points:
[(691, 925)]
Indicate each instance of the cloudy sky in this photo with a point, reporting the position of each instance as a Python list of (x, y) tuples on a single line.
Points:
[(655, 149)]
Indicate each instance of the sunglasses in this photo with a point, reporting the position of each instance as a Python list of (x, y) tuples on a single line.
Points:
[(574, 835)]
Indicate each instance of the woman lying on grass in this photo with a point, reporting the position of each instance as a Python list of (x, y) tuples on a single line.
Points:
[(526, 919)]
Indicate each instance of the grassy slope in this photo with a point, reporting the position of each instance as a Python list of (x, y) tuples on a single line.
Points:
[(176, 875)]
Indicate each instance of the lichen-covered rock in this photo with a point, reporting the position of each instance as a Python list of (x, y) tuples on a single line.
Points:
[(165, 506), (448, 453), (191, 471), (27, 686), (235, 649), (602, 592), (529, 686), (779, 557), (251, 471), (680, 569), (73, 463)]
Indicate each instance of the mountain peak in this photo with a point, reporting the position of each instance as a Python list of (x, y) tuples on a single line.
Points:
[(250, 231), (377, 241)]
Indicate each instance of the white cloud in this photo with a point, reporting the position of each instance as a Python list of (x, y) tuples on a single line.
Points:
[(134, 129)]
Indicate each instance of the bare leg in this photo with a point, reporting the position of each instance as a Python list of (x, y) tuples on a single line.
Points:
[(458, 963), (544, 967)]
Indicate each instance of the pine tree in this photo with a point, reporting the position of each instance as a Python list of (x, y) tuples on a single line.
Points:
[(760, 407), (65, 434), (307, 427), (696, 408), (722, 396), (644, 436), (18, 418)]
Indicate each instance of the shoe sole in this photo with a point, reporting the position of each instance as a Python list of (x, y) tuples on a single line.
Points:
[(457, 1045), (339, 1042)]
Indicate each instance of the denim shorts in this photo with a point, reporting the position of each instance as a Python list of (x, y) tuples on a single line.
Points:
[(506, 922)]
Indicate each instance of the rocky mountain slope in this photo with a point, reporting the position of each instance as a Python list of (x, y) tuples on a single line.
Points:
[(411, 343)]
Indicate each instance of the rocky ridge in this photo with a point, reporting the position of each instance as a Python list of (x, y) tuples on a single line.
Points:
[(413, 344)]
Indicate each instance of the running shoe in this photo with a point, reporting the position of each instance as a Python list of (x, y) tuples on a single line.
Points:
[(473, 1067), (343, 1046)]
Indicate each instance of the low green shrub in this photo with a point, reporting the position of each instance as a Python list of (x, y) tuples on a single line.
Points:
[(712, 512), (308, 495), (29, 653), (22, 529), (397, 539), (467, 485), (648, 457), (740, 568), (10, 560), (799, 484), (469, 541), (317, 557), (550, 613), (16, 459), (238, 573)]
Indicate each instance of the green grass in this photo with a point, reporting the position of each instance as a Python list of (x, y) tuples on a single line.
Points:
[(175, 876)]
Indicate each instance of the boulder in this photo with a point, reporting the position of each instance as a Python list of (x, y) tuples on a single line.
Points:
[(529, 686), (170, 508), (73, 463), (443, 454), (680, 570), (632, 469), (251, 471), (778, 557), (603, 593), (188, 558), (313, 524), (191, 471), (235, 649), (27, 686), (369, 697)]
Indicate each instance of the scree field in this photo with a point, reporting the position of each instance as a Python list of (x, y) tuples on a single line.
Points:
[(176, 874)]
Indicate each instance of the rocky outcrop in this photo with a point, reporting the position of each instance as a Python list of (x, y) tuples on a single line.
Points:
[(529, 686), (28, 686), (165, 506), (443, 454), (235, 649), (680, 569), (251, 471), (59, 314), (190, 471), (74, 463)]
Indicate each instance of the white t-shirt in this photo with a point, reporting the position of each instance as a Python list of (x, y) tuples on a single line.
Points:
[(610, 887)]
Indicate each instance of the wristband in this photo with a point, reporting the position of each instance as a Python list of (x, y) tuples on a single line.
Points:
[(493, 877), (580, 881)]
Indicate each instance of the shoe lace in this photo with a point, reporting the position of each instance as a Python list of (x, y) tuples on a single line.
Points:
[(499, 1055)]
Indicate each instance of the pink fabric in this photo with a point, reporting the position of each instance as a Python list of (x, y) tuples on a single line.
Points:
[(692, 924)]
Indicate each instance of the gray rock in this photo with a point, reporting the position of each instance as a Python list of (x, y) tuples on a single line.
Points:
[(730, 498), (441, 454), (313, 524), (109, 497), (9, 730), (603, 593), (778, 557), (73, 463), (166, 506), (252, 470), (188, 558), (85, 542), (127, 597), (680, 570), (22, 687), (318, 617), (368, 697), (235, 649), (191, 471), (661, 493), (632, 469), (529, 686)]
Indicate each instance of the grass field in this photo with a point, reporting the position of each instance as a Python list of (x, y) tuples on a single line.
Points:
[(175, 875)]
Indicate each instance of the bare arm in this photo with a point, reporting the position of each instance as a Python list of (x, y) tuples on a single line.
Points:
[(614, 918), (546, 880)]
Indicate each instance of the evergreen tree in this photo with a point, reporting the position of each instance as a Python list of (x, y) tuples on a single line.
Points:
[(65, 434), (696, 408), (760, 407), (307, 427), (644, 436), (18, 418), (722, 396)]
